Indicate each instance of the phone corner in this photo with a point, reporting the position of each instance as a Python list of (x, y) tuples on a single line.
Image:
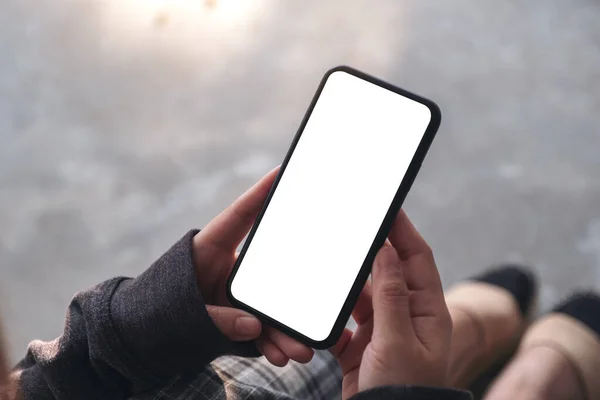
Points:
[(323, 345), (229, 292), (339, 68), (329, 341), (434, 109)]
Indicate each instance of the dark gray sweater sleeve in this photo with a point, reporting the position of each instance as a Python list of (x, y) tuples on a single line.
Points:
[(125, 336)]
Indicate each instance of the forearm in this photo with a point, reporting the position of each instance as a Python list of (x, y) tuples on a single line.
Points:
[(128, 335)]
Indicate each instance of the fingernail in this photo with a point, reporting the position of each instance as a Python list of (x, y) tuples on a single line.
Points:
[(248, 326)]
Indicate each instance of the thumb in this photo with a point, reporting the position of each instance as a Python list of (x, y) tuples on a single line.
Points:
[(391, 297), (236, 324)]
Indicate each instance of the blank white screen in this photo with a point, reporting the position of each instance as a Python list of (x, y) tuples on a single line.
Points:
[(329, 204)]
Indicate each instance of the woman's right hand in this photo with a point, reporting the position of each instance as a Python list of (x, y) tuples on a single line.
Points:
[(404, 327)]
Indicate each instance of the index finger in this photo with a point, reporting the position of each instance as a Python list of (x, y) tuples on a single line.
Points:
[(229, 228), (427, 304), (419, 267), (406, 239)]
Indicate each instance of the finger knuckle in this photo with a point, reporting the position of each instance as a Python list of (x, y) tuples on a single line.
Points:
[(214, 313), (428, 253), (395, 292)]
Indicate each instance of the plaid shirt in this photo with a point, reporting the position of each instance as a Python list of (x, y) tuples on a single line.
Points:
[(238, 378)]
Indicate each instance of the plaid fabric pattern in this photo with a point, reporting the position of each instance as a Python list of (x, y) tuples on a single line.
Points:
[(237, 378)]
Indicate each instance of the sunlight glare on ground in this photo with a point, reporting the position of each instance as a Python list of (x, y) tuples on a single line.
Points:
[(181, 25)]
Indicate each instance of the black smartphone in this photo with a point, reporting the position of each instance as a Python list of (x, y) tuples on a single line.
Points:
[(343, 181)]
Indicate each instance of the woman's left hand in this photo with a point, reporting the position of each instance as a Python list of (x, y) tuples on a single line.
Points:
[(214, 256)]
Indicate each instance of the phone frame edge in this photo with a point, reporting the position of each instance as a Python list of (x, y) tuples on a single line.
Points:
[(383, 231)]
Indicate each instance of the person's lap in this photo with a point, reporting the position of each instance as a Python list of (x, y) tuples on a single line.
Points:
[(239, 378), (244, 378)]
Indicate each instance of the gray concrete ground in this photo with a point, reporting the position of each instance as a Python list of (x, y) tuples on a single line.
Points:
[(124, 123)]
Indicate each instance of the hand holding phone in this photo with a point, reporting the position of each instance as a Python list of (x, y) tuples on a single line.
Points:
[(404, 328), (343, 181), (214, 256)]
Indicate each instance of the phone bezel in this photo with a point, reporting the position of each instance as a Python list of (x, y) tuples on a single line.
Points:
[(383, 231)]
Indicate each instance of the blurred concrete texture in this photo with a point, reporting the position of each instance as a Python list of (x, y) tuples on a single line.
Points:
[(123, 123)]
